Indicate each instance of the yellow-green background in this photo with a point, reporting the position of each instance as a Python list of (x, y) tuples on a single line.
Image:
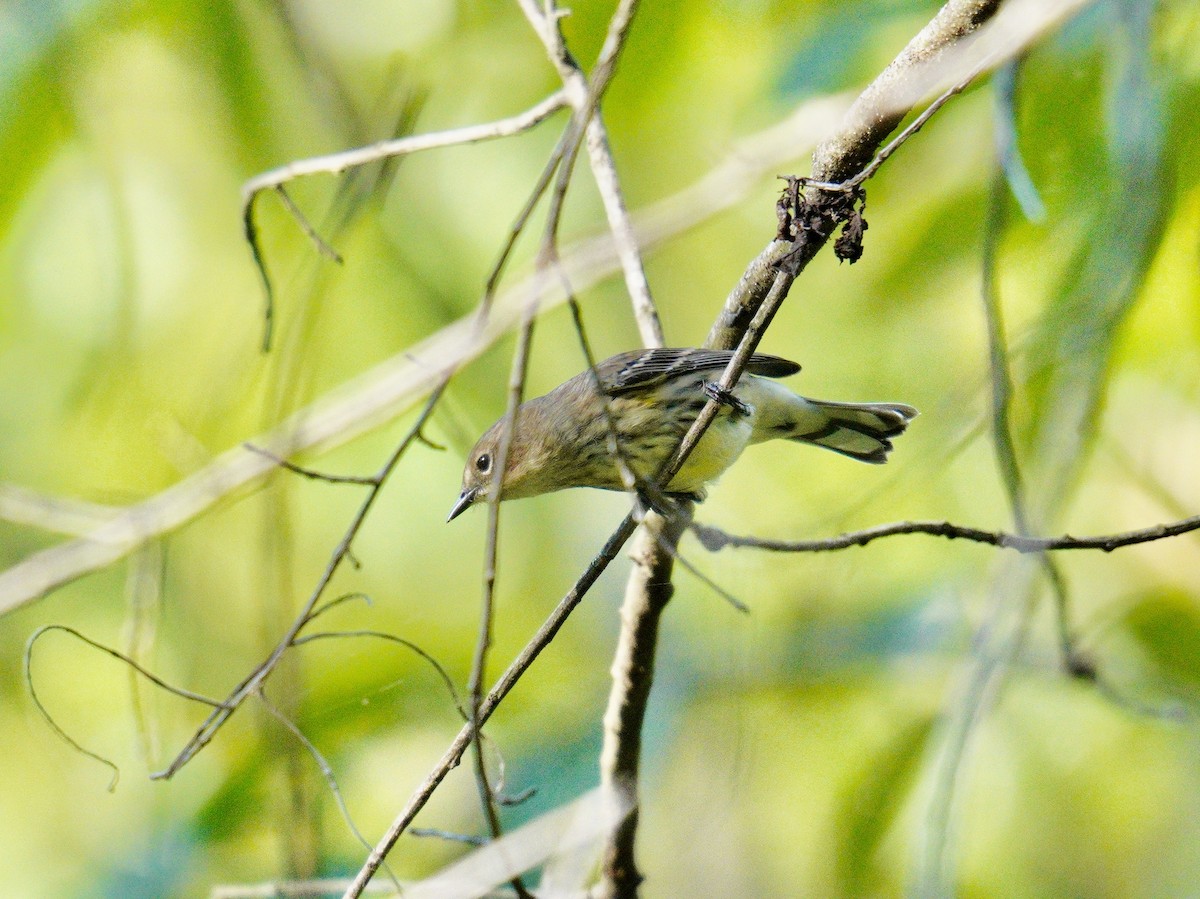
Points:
[(789, 752)]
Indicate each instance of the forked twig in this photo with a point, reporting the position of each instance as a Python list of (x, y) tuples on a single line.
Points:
[(335, 163), (254, 681)]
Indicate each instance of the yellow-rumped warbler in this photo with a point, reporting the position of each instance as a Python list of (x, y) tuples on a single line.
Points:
[(563, 439)]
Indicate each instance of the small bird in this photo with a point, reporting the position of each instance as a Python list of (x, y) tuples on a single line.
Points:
[(565, 438)]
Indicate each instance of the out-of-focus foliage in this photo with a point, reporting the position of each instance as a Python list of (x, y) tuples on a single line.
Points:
[(790, 752)]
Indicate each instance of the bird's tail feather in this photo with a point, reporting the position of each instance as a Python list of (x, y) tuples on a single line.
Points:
[(861, 431)]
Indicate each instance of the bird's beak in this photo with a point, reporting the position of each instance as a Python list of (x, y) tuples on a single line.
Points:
[(463, 502)]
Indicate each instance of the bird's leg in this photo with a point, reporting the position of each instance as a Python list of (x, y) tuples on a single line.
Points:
[(715, 391)]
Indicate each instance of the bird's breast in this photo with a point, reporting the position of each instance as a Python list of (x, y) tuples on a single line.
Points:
[(719, 448)]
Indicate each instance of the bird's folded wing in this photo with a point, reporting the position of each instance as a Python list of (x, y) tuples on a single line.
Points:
[(645, 368)]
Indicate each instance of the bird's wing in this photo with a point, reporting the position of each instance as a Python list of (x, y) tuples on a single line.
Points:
[(645, 368)]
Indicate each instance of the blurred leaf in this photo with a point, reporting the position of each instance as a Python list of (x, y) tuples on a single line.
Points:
[(1023, 189), (34, 121), (238, 802), (831, 56), (1074, 343), (1166, 627), (869, 805)]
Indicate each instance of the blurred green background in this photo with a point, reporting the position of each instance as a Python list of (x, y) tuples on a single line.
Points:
[(798, 750)]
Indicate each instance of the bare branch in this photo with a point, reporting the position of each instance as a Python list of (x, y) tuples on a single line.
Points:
[(954, 43), (312, 474), (945, 56), (307, 227), (57, 514), (335, 163), (868, 171), (714, 539)]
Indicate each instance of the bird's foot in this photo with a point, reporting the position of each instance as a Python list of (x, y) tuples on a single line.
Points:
[(715, 391), (648, 498)]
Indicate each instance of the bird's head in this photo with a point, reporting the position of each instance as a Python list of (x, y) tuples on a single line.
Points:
[(530, 469)]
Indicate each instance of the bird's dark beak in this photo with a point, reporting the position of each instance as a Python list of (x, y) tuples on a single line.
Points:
[(463, 502)]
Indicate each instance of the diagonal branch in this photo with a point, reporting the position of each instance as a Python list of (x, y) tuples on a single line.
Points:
[(501, 689), (252, 684)]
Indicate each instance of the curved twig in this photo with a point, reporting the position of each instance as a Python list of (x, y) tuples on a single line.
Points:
[(37, 635)]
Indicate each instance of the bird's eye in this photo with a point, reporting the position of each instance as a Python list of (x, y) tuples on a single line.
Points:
[(484, 463)]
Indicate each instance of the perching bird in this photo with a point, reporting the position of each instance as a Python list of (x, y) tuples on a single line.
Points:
[(563, 439)]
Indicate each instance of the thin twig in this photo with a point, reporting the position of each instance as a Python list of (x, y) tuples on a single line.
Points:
[(714, 539), (852, 184), (520, 367), (437, 666), (312, 474), (326, 772), (333, 604), (336, 163), (584, 109), (545, 179), (672, 549), (448, 836), (33, 640), (307, 227)]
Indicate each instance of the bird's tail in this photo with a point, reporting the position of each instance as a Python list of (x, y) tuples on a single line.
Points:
[(862, 431)]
